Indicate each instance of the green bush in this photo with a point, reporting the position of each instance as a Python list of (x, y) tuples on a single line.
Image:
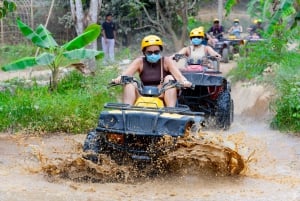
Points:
[(273, 53), (287, 104), (73, 108)]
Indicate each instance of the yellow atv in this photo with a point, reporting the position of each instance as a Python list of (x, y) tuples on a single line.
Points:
[(138, 132)]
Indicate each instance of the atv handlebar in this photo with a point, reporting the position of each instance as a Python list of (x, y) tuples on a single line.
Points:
[(145, 90), (177, 57)]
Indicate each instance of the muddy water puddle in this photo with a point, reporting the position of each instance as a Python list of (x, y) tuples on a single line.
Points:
[(60, 157), (51, 168)]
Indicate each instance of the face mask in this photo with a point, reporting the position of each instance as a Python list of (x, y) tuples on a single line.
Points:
[(235, 24), (153, 58), (196, 41)]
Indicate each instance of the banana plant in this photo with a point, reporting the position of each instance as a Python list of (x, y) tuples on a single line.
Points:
[(6, 7), (52, 54)]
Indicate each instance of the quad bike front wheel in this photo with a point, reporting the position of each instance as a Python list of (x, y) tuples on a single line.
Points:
[(224, 111), (92, 146), (216, 65), (225, 55)]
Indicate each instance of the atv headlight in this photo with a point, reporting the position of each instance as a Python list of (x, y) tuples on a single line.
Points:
[(115, 138), (107, 121)]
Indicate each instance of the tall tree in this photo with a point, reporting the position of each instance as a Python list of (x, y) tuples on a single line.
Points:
[(85, 13)]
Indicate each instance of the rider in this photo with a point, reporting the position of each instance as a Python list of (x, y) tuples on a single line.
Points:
[(154, 70), (217, 30), (197, 50), (256, 29), (207, 38), (236, 29)]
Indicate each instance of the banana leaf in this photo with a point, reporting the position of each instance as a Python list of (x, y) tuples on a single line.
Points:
[(45, 59), (31, 35), (46, 35), (82, 54), (90, 34), (20, 64)]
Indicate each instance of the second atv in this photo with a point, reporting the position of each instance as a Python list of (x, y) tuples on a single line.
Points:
[(212, 92)]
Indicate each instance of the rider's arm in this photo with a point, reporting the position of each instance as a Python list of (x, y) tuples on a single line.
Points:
[(183, 51), (169, 66), (134, 67), (211, 52)]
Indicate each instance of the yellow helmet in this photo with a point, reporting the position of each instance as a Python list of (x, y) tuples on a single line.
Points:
[(255, 21), (151, 40), (236, 20), (197, 32), (201, 28), (216, 20)]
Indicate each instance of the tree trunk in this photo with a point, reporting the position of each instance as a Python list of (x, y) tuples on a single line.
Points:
[(220, 10), (82, 20), (78, 15), (54, 79), (92, 18)]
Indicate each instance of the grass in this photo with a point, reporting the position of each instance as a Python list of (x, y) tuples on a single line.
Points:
[(73, 108)]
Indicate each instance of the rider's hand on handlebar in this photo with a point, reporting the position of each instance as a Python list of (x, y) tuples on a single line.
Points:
[(217, 56), (186, 83), (117, 80)]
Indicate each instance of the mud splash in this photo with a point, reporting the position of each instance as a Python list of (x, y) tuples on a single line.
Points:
[(203, 153)]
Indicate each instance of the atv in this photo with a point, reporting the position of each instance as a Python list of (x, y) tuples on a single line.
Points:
[(228, 46), (211, 94), (141, 132)]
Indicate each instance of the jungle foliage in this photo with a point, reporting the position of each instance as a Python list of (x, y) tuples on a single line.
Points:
[(278, 53)]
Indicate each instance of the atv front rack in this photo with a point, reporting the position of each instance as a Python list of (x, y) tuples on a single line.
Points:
[(180, 109)]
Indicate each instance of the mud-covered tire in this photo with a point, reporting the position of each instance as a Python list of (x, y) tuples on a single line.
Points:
[(92, 146), (231, 52), (216, 65), (224, 111), (231, 111), (225, 55)]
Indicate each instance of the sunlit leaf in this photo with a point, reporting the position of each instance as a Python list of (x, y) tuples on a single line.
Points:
[(90, 34), (31, 35), (46, 36)]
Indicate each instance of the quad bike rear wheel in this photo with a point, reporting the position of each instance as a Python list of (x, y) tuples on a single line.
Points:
[(224, 112)]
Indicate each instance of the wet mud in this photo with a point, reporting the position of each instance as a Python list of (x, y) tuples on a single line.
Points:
[(201, 153)]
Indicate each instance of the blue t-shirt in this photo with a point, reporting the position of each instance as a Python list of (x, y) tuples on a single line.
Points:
[(109, 28)]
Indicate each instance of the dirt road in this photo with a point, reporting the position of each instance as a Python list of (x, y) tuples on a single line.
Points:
[(272, 171)]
